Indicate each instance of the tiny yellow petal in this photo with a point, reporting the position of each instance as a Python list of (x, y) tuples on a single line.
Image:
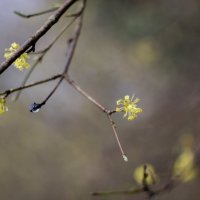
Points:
[(120, 101), (127, 97), (15, 45), (131, 117), (136, 100)]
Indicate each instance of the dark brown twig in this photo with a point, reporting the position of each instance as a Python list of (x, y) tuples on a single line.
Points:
[(8, 92)]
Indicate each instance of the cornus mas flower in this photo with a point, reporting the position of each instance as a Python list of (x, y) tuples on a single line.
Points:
[(21, 62), (3, 107), (129, 107)]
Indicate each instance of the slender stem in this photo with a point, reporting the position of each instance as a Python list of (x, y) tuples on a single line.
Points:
[(8, 92), (117, 138), (20, 14), (31, 41), (81, 91), (52, 92), (72, 42)]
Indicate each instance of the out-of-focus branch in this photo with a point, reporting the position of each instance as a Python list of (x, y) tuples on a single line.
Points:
[(20, 14), (72, 42), (151, 192), (31, 41), (122, 192)]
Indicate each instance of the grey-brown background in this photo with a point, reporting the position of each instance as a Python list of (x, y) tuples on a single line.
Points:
[(67, 150)]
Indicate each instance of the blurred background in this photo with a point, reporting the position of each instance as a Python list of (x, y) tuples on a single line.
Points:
[(67, 150)]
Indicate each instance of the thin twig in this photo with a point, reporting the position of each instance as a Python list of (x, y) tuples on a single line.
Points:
[(72, 43), (31, 41), (20, 14), (52, 92), (85, 94), (117, 138), (8, 92)]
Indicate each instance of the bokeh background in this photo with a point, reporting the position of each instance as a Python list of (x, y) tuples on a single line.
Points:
[(67, 150)]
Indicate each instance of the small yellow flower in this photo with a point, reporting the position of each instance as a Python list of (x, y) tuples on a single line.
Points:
[(3, 107), (129, 107), (151, 176), (21, 62)]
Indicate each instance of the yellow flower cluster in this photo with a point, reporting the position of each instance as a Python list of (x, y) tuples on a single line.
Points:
[(184, 166), (21, 62), (3, 107), (129, 107)]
